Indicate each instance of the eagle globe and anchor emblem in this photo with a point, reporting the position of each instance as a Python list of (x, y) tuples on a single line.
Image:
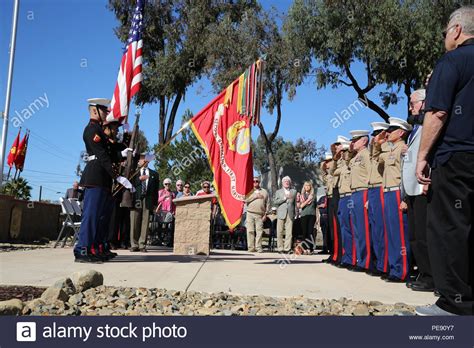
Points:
[(238, 137)]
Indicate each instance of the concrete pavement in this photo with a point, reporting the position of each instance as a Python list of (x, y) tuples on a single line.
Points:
[(236, 272)]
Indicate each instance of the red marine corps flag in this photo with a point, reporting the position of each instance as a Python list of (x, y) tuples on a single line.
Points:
[(223, 129), (14, 151), (21, 153)]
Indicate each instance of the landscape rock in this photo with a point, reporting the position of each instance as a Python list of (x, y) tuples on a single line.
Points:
[(361, 309), (76, 299), (52, 294), (106, 300), (88, 279), (66, 284), (11, 307)]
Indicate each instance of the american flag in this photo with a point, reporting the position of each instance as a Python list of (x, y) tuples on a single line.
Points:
[(130, 73)]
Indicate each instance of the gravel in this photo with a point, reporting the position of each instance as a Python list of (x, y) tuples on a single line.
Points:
[(105, 300)]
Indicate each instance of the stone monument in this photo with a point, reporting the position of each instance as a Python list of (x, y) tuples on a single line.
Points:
[(192, 233)]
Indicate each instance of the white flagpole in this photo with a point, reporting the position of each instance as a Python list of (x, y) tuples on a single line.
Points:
[(9, 89)]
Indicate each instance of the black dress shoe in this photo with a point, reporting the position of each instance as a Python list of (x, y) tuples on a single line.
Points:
[(89, 258), (323, 252), (110, 254), (343, 265), (384, 276), (134, 249), (103, 256), (392, 279), (374, 272), (357, 269), (419, 286), (437, 293)]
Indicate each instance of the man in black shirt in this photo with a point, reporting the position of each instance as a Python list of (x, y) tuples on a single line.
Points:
[(447, 149)]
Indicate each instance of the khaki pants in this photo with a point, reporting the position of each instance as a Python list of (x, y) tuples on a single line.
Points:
[(254, 224), (284, 226), (139, 226)]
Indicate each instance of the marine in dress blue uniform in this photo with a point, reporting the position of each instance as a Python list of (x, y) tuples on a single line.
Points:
[(395, 219), (349, 254), (333, 204), (97, 179), (378, 232), (360, 170)]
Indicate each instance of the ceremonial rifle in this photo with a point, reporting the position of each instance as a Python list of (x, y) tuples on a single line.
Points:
[(130, 164)]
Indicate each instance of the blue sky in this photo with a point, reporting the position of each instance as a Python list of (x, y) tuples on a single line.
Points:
[(67, 52)]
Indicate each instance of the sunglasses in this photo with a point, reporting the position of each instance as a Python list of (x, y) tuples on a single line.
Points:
[(187, 186), (167, 183), (256, 181), (205, 186), (179, 184)]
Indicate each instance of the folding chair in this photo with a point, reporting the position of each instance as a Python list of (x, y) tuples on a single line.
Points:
[(75, 206), (71, 221)]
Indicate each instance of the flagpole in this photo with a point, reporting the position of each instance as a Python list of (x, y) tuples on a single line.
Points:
[(9, 89)]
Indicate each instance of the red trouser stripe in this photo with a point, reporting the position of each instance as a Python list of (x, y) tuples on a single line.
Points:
[(404, 250), (367, 231), (354, 250), (385, 236), (336, 239)]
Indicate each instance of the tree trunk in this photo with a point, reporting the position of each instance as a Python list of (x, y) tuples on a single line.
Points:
[(407, 91), (172, 117), (162, 116), (273, 172), (362, 93), (271, 159)]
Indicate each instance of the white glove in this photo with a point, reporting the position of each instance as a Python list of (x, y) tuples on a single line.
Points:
[(124, 181), (126, 151)]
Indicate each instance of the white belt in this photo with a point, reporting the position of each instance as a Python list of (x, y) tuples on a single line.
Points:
[(90, 158), (391, 189)]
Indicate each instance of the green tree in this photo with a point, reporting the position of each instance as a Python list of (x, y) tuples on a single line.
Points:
[(303, 153), (261, 36), (184, 159), (397, 42), (17, 188), (308, 154), (177, 37)]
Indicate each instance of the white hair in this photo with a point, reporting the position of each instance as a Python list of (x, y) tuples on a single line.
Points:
[(464, 16), (286, 178), (419, 94)]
